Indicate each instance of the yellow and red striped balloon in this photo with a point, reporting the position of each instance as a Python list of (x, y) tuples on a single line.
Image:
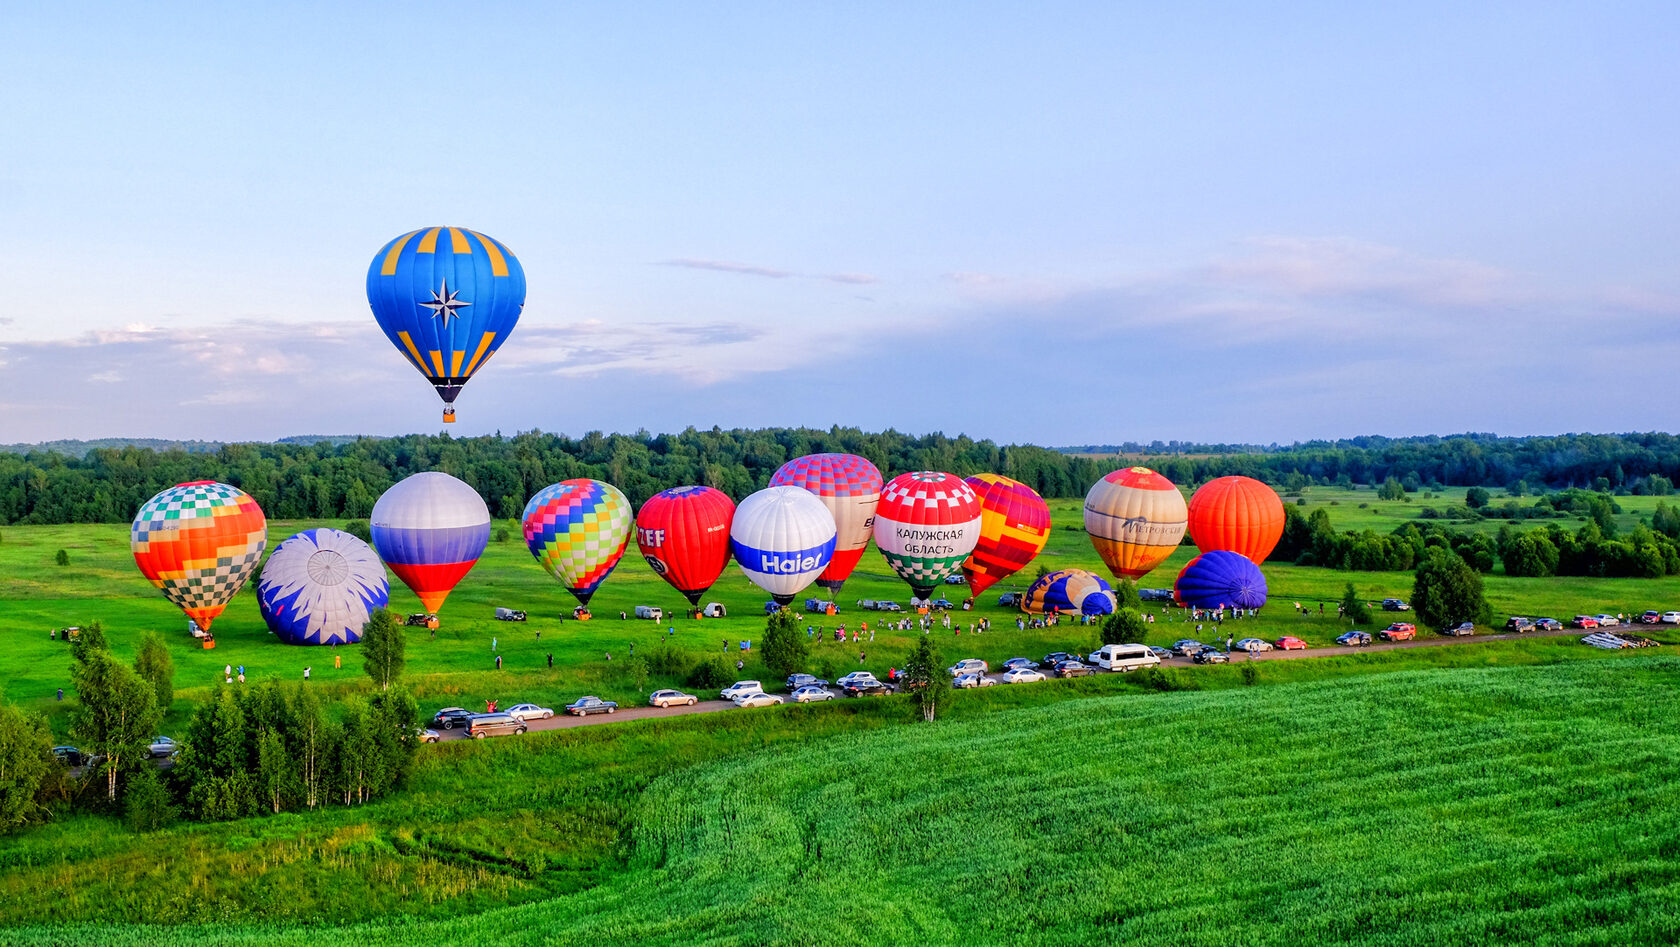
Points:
[(1135, 517), (197, 543), (1014, 526)]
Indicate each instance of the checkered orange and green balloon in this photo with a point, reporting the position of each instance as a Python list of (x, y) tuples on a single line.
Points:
[(197, 543)]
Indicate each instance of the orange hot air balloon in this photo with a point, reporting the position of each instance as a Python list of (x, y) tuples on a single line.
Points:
[(1237, 514), (1014, 526), (1135, 517)]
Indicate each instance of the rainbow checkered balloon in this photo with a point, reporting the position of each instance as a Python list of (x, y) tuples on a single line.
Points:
[(578, 530)]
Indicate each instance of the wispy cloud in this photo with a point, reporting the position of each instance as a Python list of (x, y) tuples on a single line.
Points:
[(750, 269)]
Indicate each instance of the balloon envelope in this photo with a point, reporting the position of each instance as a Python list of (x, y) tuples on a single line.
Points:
[(927, 524), (447, 298), (1135, 518), (197, 543), (1237, 514), (430, 528), (1220, 579), (1014, 526), (850, 487), (683, 534), (320, 587), (1070, 590), (783, 537), (578, 530)]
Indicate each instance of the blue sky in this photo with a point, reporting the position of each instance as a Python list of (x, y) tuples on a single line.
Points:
[(1055, 223)]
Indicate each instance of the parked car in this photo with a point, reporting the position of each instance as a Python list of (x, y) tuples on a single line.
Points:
[(494, 725), (957, 579), (1548, 624), (670, 698), (529, 712), (427, 735), (162, 746), (1210, 655), (1057, 657), (874, 605), (1022, 676), (1074, 669), (741, 688), (451, 717), (1155, 595), (509, 614), (943, 603), (584, 706), (1159, 652), (1009, 599), (1671, 618), (1395, 605), (856, 677), (1185, 647), (771, 608), (69, 755), (869, 688), (1399, 631), (1607, 621), (796, 681), (1584, 621), (1021, 663), (1290, 643), (1519, 623), (820, 605), (759, 699), (969, 666), (1123, 657), (1354, 638), (811, 692), (650, 612), (971, 680), (1252, 644), (1651, 617), (1460, 630)]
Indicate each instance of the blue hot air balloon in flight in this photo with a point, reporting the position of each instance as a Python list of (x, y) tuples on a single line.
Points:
[(447, 298)]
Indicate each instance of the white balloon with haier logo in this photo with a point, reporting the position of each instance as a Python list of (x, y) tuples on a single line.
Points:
[(783, 538)]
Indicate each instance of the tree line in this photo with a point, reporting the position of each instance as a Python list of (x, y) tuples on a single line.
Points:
[(340, 479)]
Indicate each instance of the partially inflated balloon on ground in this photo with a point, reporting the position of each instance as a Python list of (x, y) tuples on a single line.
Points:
[(430, 528), (683, 534), (1220, 579), (1014, 526), (1237, 514), (1135, 518), (850, 487), (197, 543), (1069, 590), (320, 587), (927, 524), (578, 530), (447, 298), (783, 537)]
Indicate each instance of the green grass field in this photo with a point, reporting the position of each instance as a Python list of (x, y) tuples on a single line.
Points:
[(1471, 805)]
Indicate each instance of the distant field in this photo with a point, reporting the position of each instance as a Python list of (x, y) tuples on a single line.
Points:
[(101, 582), (1490, 805)]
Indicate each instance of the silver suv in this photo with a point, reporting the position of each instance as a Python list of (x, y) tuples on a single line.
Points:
[(494, 725)]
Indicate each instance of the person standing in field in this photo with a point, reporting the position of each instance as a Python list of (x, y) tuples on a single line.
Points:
[(492, 642), (337, 662), (498, 662), (306, 674), (551, 660)]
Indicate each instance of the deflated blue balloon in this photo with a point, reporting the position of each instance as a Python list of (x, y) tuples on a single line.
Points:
[(1221, 579)]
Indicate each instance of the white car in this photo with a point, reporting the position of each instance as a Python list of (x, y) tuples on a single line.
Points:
[(163, 746), (1607, 621), (667, 698), (527, 712), (972, 680), (741, 689), (1022, 676), (759, 699), (855, 677), (1671, 618), (810, 692), (1252, 644), (968, 666)]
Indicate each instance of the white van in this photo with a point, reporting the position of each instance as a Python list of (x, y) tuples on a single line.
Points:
[(650, 612), (1123, 657)]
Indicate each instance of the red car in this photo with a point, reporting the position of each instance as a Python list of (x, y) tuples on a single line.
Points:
[(1290, 643), (1399, 631), (1585, 621)]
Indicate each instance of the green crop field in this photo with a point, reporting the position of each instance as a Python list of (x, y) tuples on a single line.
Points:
[(1472, 805)]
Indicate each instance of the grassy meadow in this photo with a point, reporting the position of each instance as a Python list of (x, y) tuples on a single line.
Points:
[(1471, 805)]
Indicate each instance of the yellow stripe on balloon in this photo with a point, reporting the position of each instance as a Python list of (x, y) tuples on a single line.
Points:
[(389, 267), (455, 363), (498, 263), (413, 352), (428, 243), (437, 363), (458, 241), (483, 346)]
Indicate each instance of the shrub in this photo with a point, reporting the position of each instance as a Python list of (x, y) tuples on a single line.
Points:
[(502, 534), (62, 558), (147, 807), (1122, 627), (1250, 673), (360, 529), (709, 674)]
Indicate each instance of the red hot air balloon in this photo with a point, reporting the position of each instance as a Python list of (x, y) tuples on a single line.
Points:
[(1236, 514), (1014, 526), (683, 534)]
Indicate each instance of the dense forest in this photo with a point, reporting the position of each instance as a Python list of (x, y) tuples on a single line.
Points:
[(337, 477)]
